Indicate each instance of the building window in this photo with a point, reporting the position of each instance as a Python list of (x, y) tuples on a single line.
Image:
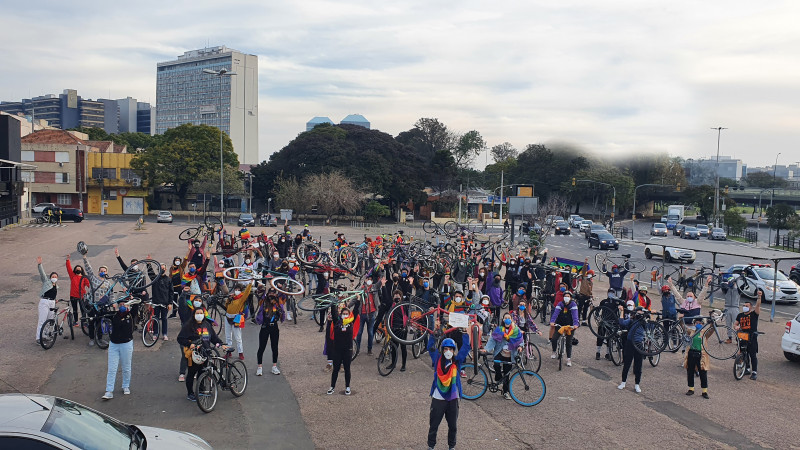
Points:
[(128, 174), (112, 195), (27, 155), (64, 199), (27, 176), (109, 174), (62, 157), (62, 178)]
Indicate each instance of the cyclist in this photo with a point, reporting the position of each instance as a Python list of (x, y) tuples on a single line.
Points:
[(344, 328), (564, 314), (522, 317), (47, 296), (175, 272), (629, 352), (640, 297), (585, 290), (272, 312), (120, 350), (369, 312), (397, 324), (234, 317), (732, 300), (495, 293), (697, 360), (503, 345), (456, 303), (78, 285), (616, 278), (162, 295), (611, 302), (193, 330), (101, 286), (446, 386), (747, 322), (690, 306)]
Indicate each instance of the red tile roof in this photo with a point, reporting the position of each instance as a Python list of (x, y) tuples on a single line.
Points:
[(101, 146), (118, 148), (51, 137)]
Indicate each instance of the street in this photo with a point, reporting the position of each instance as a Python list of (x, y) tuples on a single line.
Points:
[(582, 407)]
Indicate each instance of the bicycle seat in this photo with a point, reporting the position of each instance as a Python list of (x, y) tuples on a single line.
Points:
[(719, 266), (626, 256), (759, 332), (230, 350)]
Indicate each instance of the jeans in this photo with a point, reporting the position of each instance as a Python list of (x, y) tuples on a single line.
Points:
[(730, 317), (119, 353), (692, 365), (236, 333), (44, 314), (368, 322), (447, 409)]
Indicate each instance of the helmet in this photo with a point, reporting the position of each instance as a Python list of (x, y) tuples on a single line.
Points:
[(197, 357), (306, 225), (642, 288), (83, 248), (448, 343), (664, 289), (615, 266), (590, 272)]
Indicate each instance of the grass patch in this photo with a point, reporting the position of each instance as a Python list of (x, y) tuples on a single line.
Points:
[(775, 247), (737, 239)]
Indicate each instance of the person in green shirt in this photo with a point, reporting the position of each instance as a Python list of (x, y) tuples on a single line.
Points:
[(697, 360)]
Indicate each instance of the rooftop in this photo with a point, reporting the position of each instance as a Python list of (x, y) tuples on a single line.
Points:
[(52, 137)]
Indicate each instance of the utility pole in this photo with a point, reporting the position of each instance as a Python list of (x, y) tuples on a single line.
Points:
[(460, 189), (772, 197), (716, 184)]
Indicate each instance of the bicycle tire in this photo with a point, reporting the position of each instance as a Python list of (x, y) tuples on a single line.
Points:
[(85, 325), (411, 327), (739, 366), (533, 357), (136, 276), (379, 334), (206, 391), (385, 363), (675, 336), (603, 322), (317, 315), (188, 234), (102, 333), (475, 384), (527, 388), (475, 226), (316, 302), (451, 228), (615, 350), (416, 350), (237, 377), (600, 262), (151, 331), (216, 319), (561, 344), (292, 287), (347, 258), (355, 351), (71, 324), (653, 340), (234, 274), (308, 253), (48, 334), (293, 309), (635, 266), (475, 340), (715, 344), (533, 308), (214, 223), (654, 360)]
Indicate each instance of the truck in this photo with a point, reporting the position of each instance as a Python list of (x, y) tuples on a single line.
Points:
[(675, 213)]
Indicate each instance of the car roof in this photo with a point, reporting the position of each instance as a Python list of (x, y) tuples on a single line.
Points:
[(595, 225), (659, 224), (17, 410), (586, 220)]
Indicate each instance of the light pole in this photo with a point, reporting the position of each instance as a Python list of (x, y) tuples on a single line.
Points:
[(758, 224), (250, 199), (772, 197), (716, 184), (219, 74)]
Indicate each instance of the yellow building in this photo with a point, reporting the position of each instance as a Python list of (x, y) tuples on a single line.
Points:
[(113, 185)]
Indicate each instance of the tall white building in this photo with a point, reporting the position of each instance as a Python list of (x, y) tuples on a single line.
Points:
[(185, 94)]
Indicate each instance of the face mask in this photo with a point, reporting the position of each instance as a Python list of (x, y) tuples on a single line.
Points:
[(395, 278), (77, 272), (247, 261), (698, 326), (425, 284), (562, 289), (192, 269), (405, 275), (198, 317), (630, 308), (197, 303), (325, 275), (369, 282), (237, 292), (615, 270), (521, 292), (448, 354), (522, 307), (345, 315), (102, 274), (483, 273), (177, 262), (123, 308), (745, 309), (690, 299), (222, 264), (54, 280), (196, 245), (485, 302), (567, 299), (497, 281), (507, 321), (612, 295), (642, 294), (275, 255), (397, 299)]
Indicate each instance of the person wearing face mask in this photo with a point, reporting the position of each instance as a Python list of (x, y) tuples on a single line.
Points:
[(512, 277), (47, 296), (120, 350), (565, 313), (486, 306), (446, 386), (369, 312), (640, 297), (140, 294), (630, 315), (190, 278), (563, 290), (323, 287), (282, 246), (697, 359), (616, 278), (273, 313), (520, 296), (747, 326), (197, 329), (690, 306), (481, 279), (248, 273), (188, 303), (344, 328), (503, 345), (78, 285), (406, 281), (175, 273), (522, 317), (197, 253), (234, 317), (397, 324), (732, 300), (102, 287), (162, 295), (585, 290), (495, 292), (613, 303)]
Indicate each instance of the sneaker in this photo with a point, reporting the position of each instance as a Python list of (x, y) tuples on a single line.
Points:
[(107, 396), (91, 343), (241, 356), (369, 352), (507, 396), (347, 391), (705, 395), (126, 391), (275, 370), (637, 389), (165, 338), (597, 356), (553, 356), (403, 369), (569, 362), (181, 378), (259, 372), (621, 386), (77, 325), (747, 371), (330, 391), (608, 356), (328, 367), (690, 392), (729, 341), (754, 376), (288, 316), (463, 373), (38, 342), (191, 398)]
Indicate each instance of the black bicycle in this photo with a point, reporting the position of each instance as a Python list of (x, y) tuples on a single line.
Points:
[(742, 362), (218, 372)]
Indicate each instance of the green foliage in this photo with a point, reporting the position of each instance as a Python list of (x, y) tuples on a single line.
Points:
[(208, 182), (780, 216), (734, 221), (504, 152), (765, 180), (468, 147), (375, 210)]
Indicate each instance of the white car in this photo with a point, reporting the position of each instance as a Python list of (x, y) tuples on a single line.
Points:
[(40, 207), (164, 216), (584, 225), (572, 217), (761, 277), (790, 342), (45, 421), (670, 254)]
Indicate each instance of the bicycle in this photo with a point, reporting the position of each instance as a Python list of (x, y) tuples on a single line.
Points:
[(531, 356), (151, 330), (565, 332), (714, 342), (607, 260), (387, 358), (526, 387), (55, 326), (742, 362), (208, 228), (219, 372)]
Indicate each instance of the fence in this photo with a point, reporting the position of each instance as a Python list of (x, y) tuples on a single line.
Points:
[(749, 236), (788, 243), (621, 232)]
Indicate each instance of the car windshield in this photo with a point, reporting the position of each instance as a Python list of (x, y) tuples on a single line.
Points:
[(246, 216), (659, 225), (586, 222), (702, 227), (768, 273), (605, 236), (561, 223), (691, 229), (86, 428), (718, 230)]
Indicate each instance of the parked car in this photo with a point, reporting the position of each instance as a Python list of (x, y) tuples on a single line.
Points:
[(164, 216), (593, 228), (551, 220), (409, 217), (584, 225), (762, 277), (603, 240), (703, 229), (577, 221), (36, 421), (658, 229), (690, 233), (678, 229), (718, 234), (670, 254), (73, 214), (790, 342), (39, 208), (562, 227), (267, 221), (671, 224), (246, 220)]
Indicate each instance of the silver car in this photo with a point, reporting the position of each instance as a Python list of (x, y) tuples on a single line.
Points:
[(58, 423), (717, 234), (164, 216)]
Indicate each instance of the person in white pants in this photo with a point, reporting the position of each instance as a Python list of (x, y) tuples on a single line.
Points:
[(236, 307), (47, 297), (732, 299)]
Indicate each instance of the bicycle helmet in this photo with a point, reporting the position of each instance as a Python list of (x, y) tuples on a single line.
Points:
[(448, 343), (197, 357), (665, 289), (590, 272), (643, 288), (83, 248)]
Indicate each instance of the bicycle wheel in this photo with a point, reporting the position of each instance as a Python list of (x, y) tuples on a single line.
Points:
[(239, 273), (379, 334), (533, 308), (600, 262), (615, 350), (317, 316), (356, 350), (188, 234), (739, 366), (71, 323), (653, 338), (293, 309), (216, 317), (237, 378), (102, 333), (135, 277), (316, 302), (48, 334), (675, 336), (415, 320), (654, 359), (151, 331), (603, 322), (475, 340), (214, 223), (451, 228), (475, 226), (205, 389), (714, 343), (348, 258), (527, 388), (532, 357), (475, 384), (308, 252), (416, 350), (561, 344), (385, 362), (635, 266), (286, 285), (429, 227)]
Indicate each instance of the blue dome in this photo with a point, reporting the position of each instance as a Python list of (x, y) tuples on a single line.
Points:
[(316, 121), (356, 119)]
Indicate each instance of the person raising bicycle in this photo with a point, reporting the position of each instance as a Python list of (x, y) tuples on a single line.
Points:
[(345, 323), (234, 317), (103, 292), (640, 297), (272, 312), (446, 386), (78, 285), (747, 323), (564, 314), (198, 329), (47, 296), (399, 327), (616, 278), (696, 359), (613, 303), (585, 290)]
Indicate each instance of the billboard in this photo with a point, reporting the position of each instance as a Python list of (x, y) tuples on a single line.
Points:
[(523, 206)]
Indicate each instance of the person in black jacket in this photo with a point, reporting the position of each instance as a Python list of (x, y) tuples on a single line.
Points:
[(344, 327), (142, 294), (162, 295), (197, 329), (120, 350)]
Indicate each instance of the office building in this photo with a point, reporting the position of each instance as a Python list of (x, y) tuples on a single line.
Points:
[(702, 171), (145, 118), (186, 94)]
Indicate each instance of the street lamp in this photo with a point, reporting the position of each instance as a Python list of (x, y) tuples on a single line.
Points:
[(716, 184), (772, 197), (220, 73), (250, 177)]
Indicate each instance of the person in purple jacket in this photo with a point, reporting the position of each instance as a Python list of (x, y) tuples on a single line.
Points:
[(495, 293), (566, 313)]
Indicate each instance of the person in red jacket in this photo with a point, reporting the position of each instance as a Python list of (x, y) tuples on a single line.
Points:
[(78, 285)]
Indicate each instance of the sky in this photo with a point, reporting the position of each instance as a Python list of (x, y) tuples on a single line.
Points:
[(616, 77)]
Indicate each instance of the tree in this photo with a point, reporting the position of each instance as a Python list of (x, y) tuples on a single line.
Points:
[(332, 193), (289, 194), (208, 182), (469, 145), (434, 135), (779, 217), (503, 152), (734, 221), (374, 210), (765, 180)]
